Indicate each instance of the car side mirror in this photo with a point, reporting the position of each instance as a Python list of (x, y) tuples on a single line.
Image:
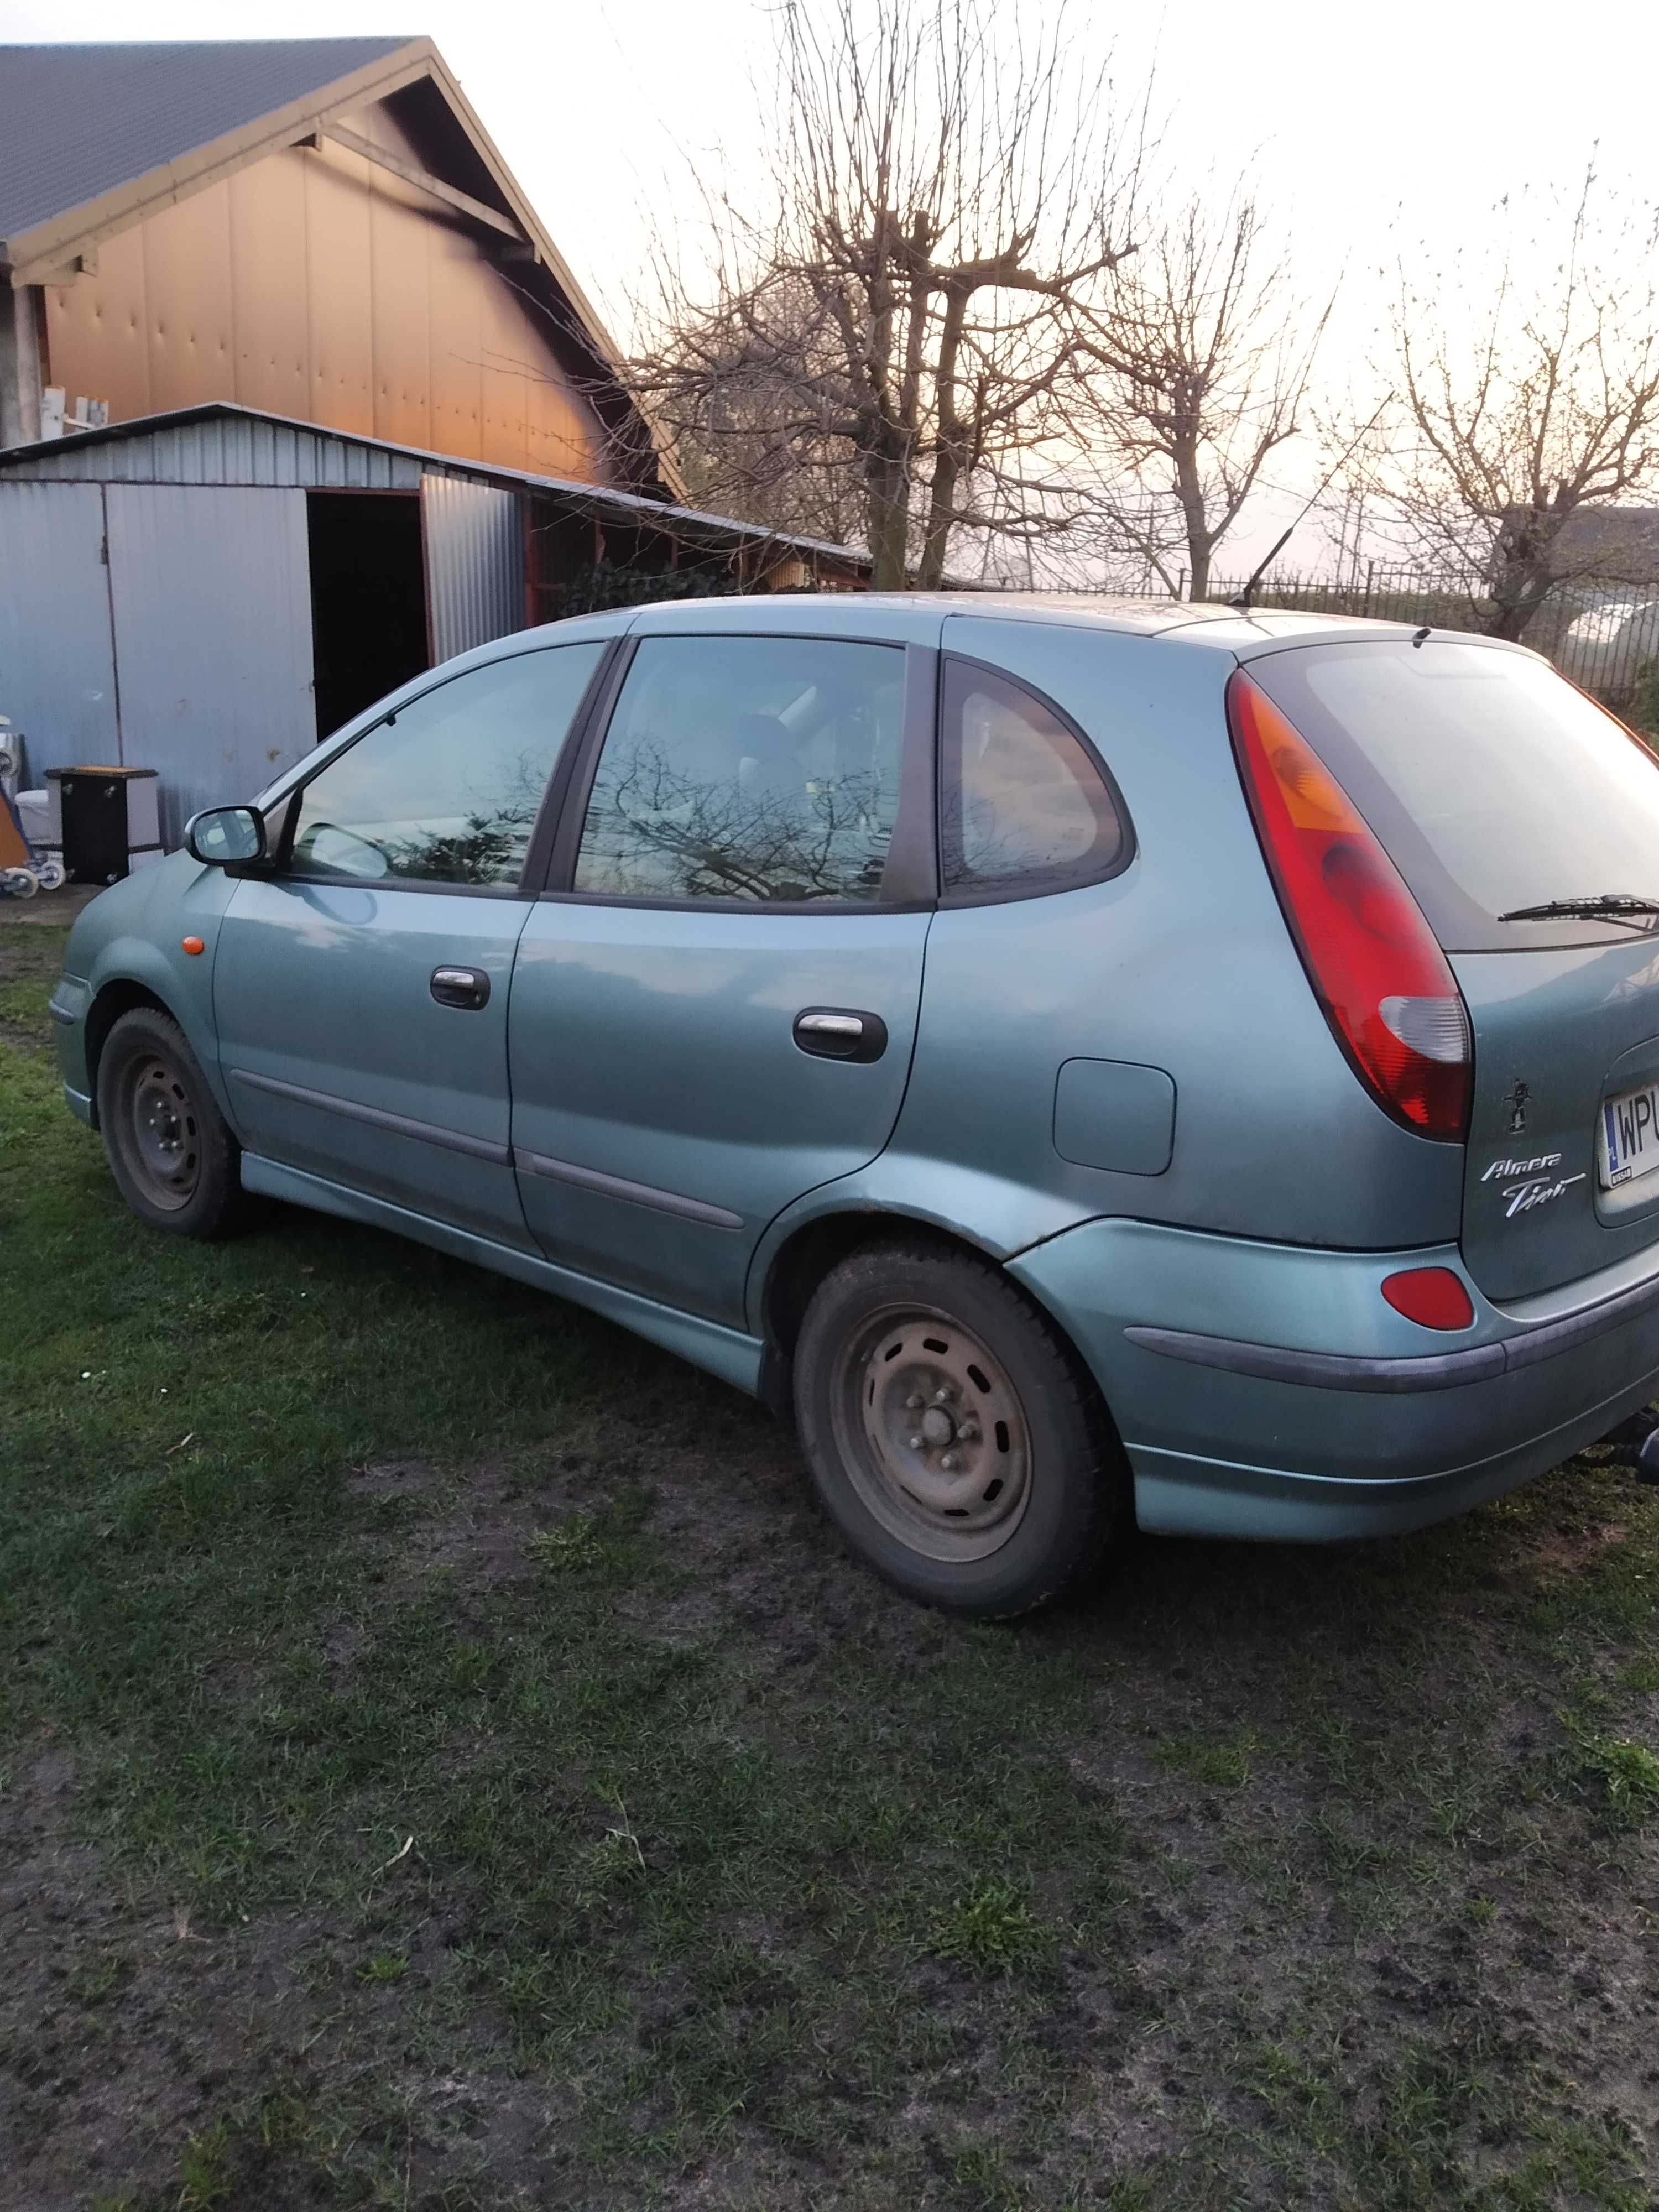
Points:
[(221, 835)]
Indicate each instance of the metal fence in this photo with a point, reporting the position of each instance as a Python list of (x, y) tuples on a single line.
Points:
[(1603, 633)]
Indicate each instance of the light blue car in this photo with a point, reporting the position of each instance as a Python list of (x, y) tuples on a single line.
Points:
[(1094, 1065)]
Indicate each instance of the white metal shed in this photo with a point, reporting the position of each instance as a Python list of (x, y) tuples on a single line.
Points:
[(172, 590)]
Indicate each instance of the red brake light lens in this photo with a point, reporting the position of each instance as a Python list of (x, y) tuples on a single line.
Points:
[(1372, 959), (1433, 1296)]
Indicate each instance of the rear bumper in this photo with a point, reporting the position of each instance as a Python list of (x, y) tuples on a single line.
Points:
[(1268, 1391), (1444, 1371)]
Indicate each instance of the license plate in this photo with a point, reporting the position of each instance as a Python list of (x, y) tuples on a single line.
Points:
[(1629, 1143)]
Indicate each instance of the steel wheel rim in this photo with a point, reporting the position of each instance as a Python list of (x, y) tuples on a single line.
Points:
[(932, 1433), (163, 1138)]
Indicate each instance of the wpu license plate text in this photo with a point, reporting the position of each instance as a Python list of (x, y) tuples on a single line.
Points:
[(1630, 1135)]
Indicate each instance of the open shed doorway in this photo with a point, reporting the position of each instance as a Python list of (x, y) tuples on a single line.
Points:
[(367, 599)]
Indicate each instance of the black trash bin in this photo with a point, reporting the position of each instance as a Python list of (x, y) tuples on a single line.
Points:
[(107, 815)]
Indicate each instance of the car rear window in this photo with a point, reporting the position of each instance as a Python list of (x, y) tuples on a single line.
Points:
[(1493, 782)]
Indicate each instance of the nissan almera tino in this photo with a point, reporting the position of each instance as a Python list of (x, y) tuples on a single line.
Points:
[(1093, 1065)]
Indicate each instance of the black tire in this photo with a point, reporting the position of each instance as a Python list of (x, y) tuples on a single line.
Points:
[(1018, 1505), (169, 1148)]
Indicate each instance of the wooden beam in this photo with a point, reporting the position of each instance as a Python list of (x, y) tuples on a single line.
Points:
[(83, 265), (423, 179)]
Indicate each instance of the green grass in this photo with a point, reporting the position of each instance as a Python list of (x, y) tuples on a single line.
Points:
[(445, 1761)]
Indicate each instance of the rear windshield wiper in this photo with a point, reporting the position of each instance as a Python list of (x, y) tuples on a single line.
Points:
[(1600, 906)]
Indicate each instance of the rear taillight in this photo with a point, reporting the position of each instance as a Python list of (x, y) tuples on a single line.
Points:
[(1372, 960)]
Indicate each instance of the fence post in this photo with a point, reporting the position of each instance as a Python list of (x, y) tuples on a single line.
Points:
[(1371, 577), (1180, 585)]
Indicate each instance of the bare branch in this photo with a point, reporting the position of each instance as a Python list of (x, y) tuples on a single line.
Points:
[(1517, 431), (1192, 373), (950, 199)]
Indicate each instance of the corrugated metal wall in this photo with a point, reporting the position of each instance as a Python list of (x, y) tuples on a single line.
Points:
[(227, 450), (474, 563), (211, 589), (57, 673), (190, 651)]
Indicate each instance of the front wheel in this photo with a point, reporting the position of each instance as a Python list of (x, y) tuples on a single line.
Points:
[(950, 1433), (176, 1161)]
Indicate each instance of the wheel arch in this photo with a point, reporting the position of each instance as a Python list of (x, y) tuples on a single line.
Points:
[(119, 996), (806, 1256)]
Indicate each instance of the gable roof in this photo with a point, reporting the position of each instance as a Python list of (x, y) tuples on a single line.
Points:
[(77, 122), (94, 138)]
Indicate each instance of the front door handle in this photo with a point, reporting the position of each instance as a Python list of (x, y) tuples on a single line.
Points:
[(466, 988), (841, 1033)]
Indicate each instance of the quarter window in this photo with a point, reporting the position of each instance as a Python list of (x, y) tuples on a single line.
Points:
[(1022, 808), (446, 790), (754, 768)]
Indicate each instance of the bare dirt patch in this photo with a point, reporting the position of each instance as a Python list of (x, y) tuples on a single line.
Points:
[(1256, 1917)]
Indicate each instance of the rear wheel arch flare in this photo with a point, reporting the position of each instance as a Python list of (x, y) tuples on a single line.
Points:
[(806, 1256)]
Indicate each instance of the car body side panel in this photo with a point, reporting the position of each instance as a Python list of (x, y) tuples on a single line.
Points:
[(326, 1017), (654, 1047), (1183, 964), (133, 932)]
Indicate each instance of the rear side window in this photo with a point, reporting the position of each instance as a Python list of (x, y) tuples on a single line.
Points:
[(1024, 806), (1492, 783)]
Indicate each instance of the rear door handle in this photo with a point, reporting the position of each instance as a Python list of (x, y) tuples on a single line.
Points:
[(466, 988), (841, 1033)]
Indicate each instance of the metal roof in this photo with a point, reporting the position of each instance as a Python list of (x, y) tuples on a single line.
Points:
[(78, 121), (221, 443)]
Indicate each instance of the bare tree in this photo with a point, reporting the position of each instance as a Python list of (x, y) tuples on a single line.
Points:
[(948, 199), (744, 439), (1195, 370), (1541, 413)]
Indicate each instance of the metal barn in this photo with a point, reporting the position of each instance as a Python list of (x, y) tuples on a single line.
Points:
[(209, 592)]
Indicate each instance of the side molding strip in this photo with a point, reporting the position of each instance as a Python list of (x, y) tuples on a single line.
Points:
[(1327, 1370), (377, 1117), (727, 1352), (635, 1193), (1444, 1370)]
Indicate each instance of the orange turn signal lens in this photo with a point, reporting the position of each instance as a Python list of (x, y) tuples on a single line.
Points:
[(192, 945)]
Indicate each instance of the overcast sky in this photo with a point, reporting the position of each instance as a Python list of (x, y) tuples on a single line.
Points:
[(1369, 131)]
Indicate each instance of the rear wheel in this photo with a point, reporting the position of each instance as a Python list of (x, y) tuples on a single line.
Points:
[(952, 1435), (169, 1149)]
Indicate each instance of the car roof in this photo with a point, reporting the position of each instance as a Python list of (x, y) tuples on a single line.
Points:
[(920, 615)]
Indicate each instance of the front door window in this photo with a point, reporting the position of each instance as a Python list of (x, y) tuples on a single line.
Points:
[(446, 790)]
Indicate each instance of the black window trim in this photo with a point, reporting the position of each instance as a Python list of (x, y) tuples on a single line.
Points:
[(909, 878), (278, 868), (1006, 894)]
